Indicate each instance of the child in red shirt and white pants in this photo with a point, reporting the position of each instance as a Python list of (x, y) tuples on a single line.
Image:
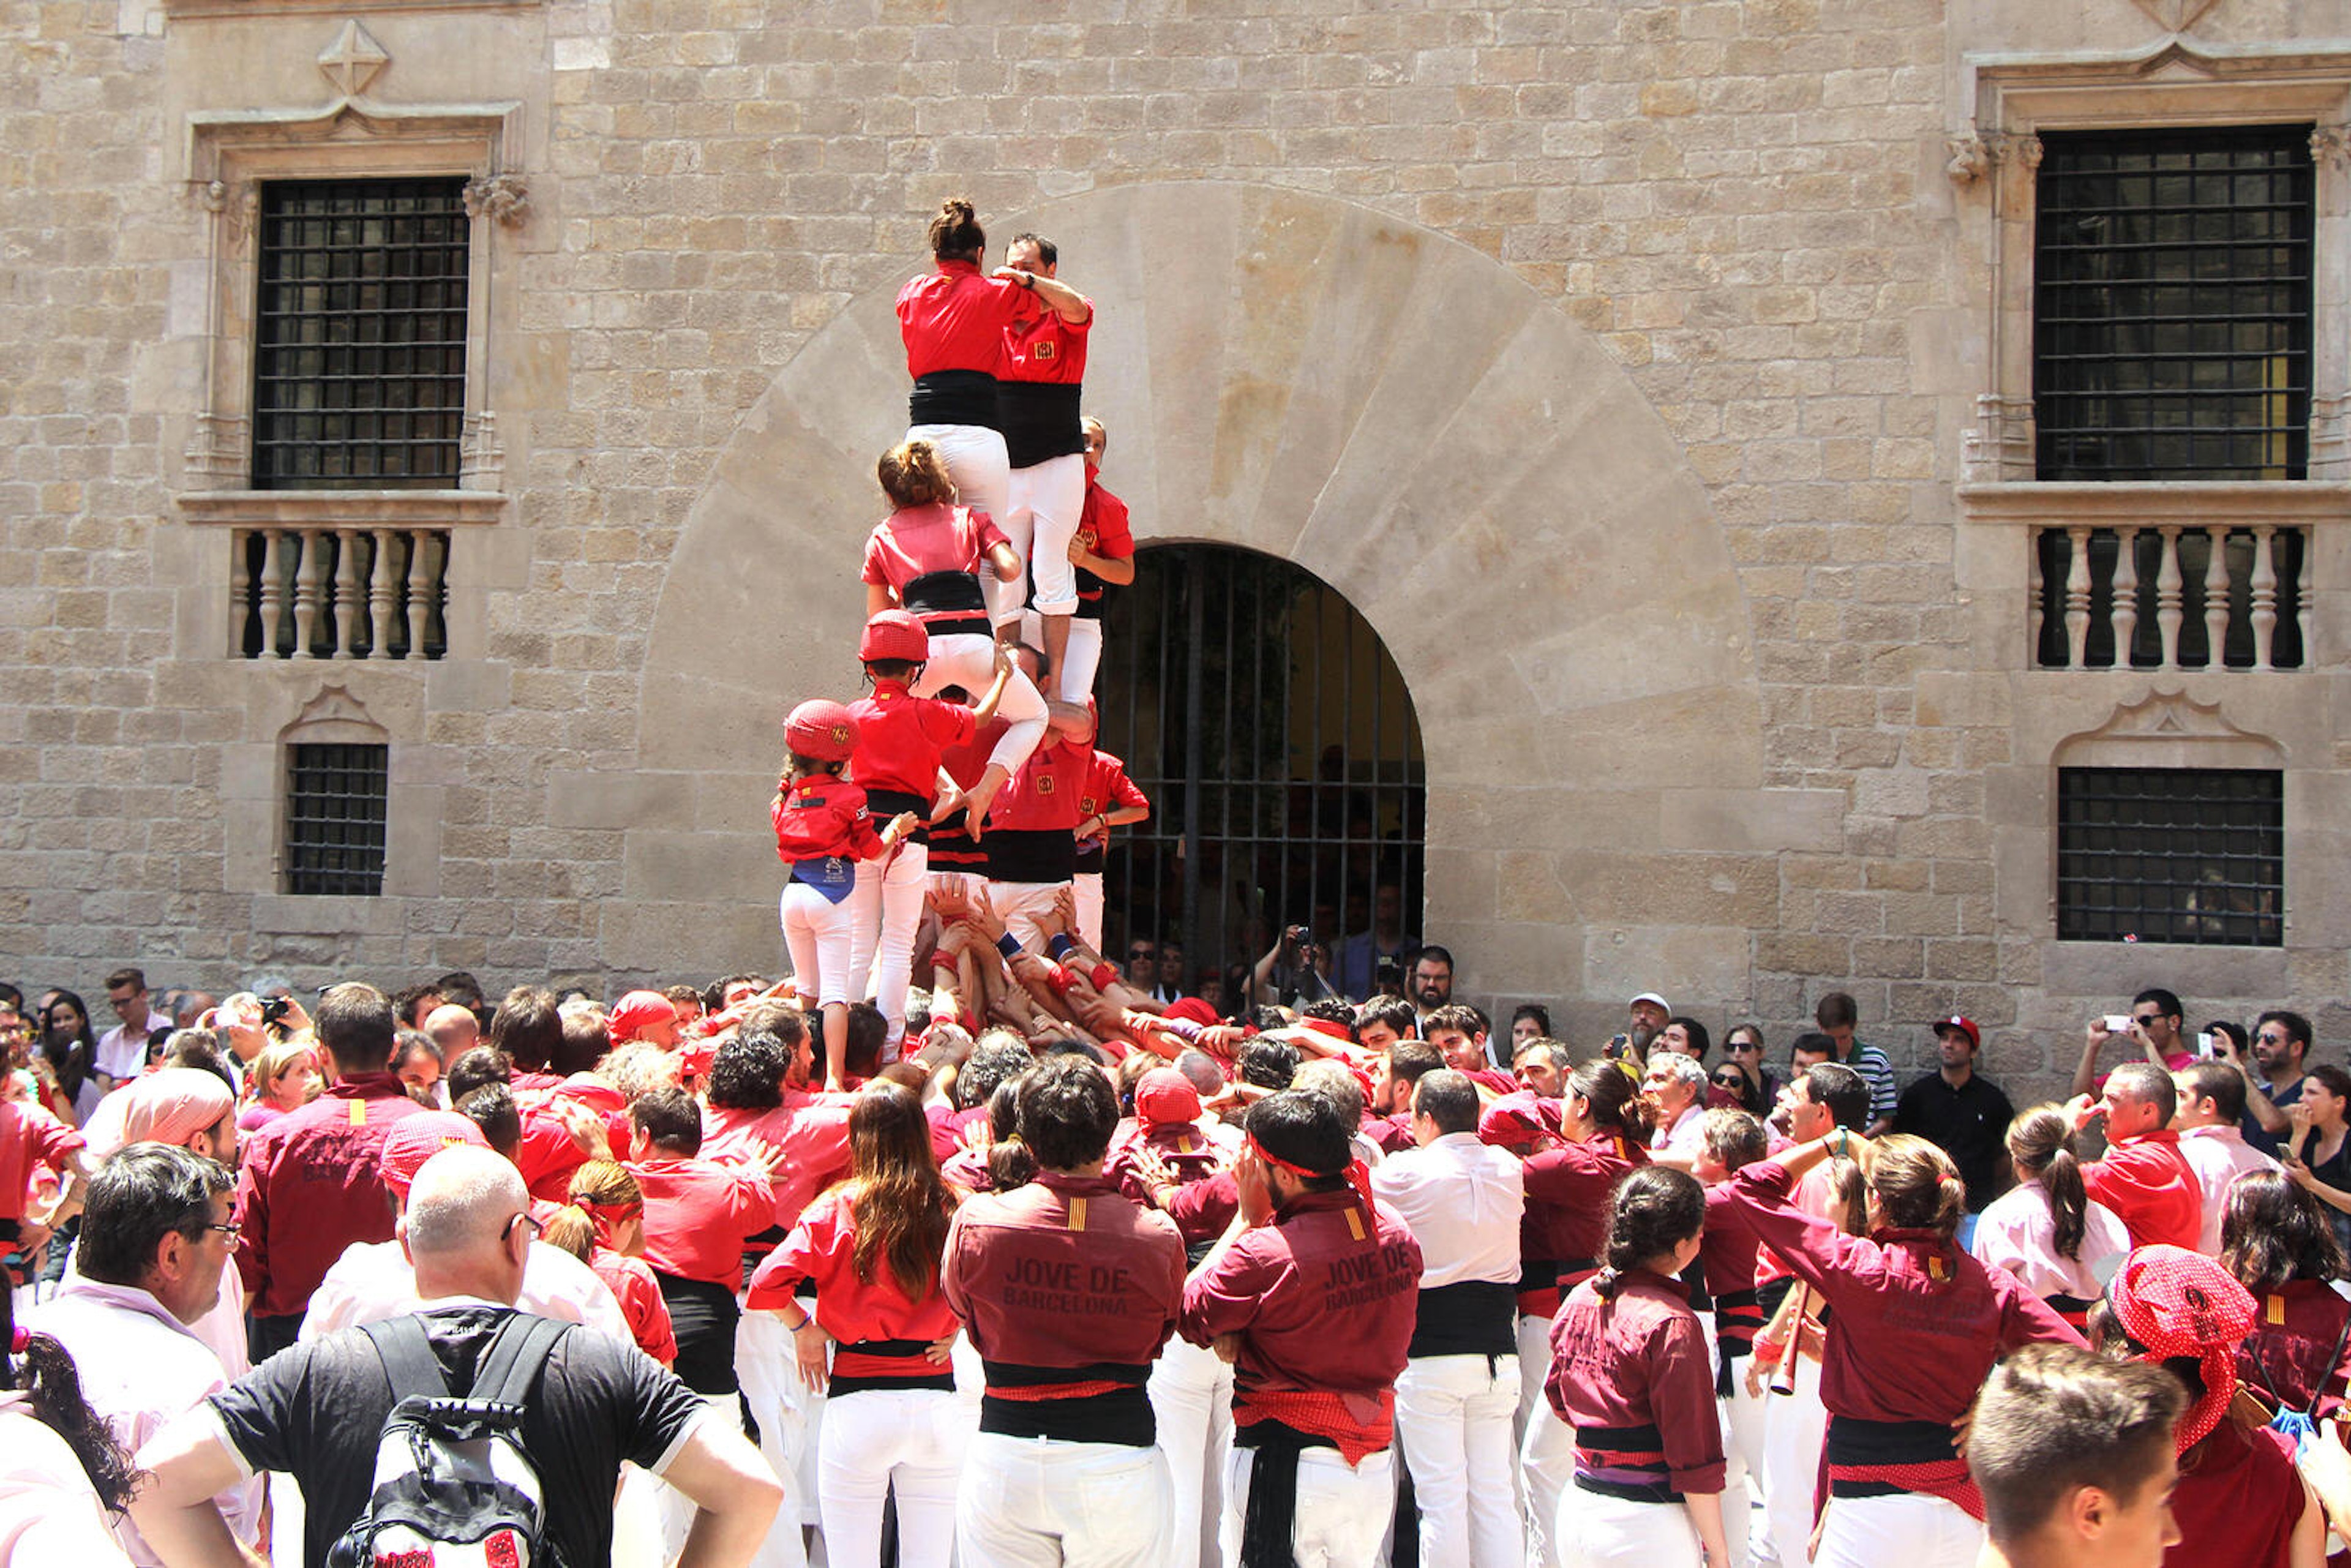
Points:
[(822, 830)]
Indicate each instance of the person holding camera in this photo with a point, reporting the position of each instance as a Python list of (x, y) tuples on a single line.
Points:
[(1297, 969)]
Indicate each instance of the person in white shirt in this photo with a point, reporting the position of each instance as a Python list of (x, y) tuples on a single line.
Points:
[(1460, 1390), (2046, 1229), (2209, 1122), (121, 1052), (375, 1280), (1674, 1086), (155, 1233), (192, 1110)]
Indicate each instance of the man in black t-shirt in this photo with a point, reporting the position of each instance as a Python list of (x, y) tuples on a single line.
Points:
[(1962, 1113), (315, 1411)]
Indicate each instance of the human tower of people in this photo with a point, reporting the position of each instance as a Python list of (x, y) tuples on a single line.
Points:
[(1038, 1270)]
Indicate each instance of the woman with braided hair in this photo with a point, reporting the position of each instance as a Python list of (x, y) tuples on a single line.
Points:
[(1631, 1373), (1568, 1178), (1915, 1324), (2239, 1503)]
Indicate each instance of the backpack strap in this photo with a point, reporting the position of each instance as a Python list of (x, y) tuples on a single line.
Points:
[(511, 1367), (409, 1363)]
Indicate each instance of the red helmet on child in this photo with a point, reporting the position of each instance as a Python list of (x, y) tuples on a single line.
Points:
[(894, 634), (822, 731)]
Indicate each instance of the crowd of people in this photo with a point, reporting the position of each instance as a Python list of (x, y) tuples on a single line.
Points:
[(964, 1244)]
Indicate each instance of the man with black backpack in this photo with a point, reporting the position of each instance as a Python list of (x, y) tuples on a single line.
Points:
[(392, 1430)]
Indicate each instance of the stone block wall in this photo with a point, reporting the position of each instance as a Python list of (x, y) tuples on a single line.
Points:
[(1668, 318)]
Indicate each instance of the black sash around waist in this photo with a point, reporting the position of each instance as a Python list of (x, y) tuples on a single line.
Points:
[(1626, 1462), (947, 602), (954, 397), (1855, 1444), (1472, 1317), (1121, 1414), (1031, 854), (884, 804), (702, 1316), (921, 1374), (1040, 421)]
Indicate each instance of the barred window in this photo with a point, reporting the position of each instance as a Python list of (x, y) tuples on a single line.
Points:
[(360, 345), (336, 797), (2172, 304), (2171, 854)]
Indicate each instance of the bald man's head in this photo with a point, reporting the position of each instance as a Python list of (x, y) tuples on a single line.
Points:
[(461, 1206), (453, 1028)]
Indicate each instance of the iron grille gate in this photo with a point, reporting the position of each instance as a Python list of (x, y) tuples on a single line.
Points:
[(1279, 747)]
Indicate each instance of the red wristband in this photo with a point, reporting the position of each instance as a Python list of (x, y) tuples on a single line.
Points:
[(1102, 975), (1058, 978)]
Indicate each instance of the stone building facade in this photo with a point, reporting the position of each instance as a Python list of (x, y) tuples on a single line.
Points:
[(1655, 378)]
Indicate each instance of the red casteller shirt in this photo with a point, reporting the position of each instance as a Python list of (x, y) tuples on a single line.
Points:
[(809, 1130), (1106, 529), (698, 1214), (1047, 792), (1915, 1326), (2238, 1500), (901, 739), (822, 817), (1063, 1272), (1566, 1219), (1039, 346), (30, 1136), (2296, 1331), (955, 317), (2152, 1189), (1324, 1303), (633, 1284), (936, 536), (822, 1249), (1640, 1361), (307, 1188)]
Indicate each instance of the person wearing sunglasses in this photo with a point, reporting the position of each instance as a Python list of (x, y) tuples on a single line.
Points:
[(2151, 1030), (1729, 1081), (1742, 1049)]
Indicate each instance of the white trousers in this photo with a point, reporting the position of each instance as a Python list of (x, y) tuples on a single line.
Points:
[(1088, 886), (1912, 1530), (1794, 1425), (1342, 1510), (1048, 498), (1081, 659), (1028, 1502), (1022, 904), (1546, 1446), (967, 659), (1453, 1419), (820, 936), (1081, 662), (888, 904), (1743, 1448), (1191, 1391), (982, 471), (1596, 1531), (879, 1440)]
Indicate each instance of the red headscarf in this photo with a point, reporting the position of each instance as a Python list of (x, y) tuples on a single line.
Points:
[(2177, 1303), (1164, 1098)]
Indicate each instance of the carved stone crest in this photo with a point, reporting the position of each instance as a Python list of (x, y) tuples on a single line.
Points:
[(2175, 15), (353, 59), (503, 197)]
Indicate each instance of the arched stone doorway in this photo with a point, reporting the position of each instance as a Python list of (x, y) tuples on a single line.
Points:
[(1278, 745), (1397, 413)]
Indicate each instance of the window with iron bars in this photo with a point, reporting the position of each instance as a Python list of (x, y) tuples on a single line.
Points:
[(360, 334), (337, 799), (2171, 324), (2171, 854)]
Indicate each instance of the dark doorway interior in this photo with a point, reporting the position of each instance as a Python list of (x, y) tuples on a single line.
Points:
[(1279, 747)]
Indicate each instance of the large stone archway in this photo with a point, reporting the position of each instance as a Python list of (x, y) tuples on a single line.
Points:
[(1395, 410)]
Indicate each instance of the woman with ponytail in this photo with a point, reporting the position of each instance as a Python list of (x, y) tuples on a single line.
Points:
[(869, 1249), (1914, 1326), (1561, 1236), (1630, 1373), (2047, 1230), (603, 1226), (61, 1472)]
